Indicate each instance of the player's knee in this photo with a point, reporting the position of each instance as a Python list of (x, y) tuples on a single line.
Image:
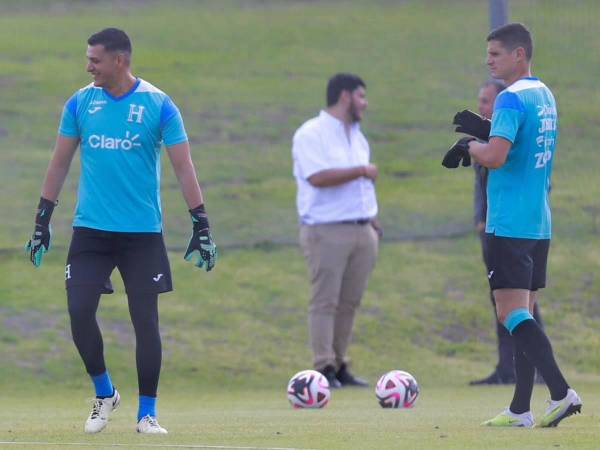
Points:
[(79, 311), (81, 303), (145, 323)]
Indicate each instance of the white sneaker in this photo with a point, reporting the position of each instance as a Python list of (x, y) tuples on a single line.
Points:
[(101, 410), (560, 409), (149, 425)]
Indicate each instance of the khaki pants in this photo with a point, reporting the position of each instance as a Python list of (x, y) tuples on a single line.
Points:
[(340, 258)]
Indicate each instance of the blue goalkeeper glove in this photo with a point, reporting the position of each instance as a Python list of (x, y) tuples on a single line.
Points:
[(201, 242), (42, 235)]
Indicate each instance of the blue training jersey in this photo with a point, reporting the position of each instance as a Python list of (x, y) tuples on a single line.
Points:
[(518, 191), (120, 140)]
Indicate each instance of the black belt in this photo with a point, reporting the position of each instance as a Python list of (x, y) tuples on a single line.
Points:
[(355, 222)]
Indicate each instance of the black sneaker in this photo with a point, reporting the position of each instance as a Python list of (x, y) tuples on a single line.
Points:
[(347, 379), (329, 373), (495, 378)]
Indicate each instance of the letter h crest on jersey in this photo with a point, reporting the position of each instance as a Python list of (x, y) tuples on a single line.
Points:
[(135, 113)]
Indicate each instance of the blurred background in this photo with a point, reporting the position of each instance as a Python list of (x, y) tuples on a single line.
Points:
[(245, 75)]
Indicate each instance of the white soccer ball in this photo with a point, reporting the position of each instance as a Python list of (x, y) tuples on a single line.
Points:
[(308, 389), (397, 389)]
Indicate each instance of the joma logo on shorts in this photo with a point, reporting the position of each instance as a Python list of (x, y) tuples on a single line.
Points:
[(109, 143)]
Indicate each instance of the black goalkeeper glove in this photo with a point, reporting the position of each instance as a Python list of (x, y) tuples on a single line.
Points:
[(42, 235), (459, 151), (472, 124), (201, 241)]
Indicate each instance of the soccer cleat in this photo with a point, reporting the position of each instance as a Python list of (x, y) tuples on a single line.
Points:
[(149, 425), (509, 419), (101, 410), (560, 409)]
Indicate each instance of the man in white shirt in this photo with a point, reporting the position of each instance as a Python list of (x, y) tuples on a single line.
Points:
[(339, 230)]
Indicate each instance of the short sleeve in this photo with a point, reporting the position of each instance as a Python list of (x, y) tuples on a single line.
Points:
[(171, 124), (308, 154), (68, 121), (508, 116)]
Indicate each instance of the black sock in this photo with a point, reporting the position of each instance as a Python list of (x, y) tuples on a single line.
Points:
[(525, 373), (537, 348)]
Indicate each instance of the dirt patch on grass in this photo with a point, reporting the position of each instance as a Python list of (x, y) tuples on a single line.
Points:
[(31, 323)]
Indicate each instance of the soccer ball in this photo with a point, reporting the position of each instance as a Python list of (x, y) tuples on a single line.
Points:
[(308, 389), (397, 389)]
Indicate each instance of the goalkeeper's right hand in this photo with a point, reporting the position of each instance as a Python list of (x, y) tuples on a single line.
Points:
[(42, 234), (472, 124)]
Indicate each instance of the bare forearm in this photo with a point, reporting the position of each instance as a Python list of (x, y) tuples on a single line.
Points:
[(334, 177), (181, 159), (480, 153), (190, 188), (492, 154), (54, 181), (58, 168)]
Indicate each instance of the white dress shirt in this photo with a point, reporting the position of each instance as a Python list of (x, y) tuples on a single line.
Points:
[(322, 143)]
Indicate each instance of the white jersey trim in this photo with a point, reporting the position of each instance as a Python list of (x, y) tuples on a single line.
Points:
[(521, 85), (144, 86)]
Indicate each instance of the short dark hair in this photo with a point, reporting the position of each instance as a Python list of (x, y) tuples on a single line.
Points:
[(513, 35), (342, 82), (497, 84), (113, 40)]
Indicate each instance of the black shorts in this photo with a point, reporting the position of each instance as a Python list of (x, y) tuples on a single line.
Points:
[(140, 257), (516, 263)]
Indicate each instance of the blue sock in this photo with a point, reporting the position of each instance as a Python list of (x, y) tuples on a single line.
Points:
[(147, 407), (515, 317), (103, 385)]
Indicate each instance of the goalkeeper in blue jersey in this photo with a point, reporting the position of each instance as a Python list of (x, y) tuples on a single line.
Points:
[(119, 122), (520, 153)]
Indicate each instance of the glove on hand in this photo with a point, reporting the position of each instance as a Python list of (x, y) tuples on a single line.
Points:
[(42, 235), (473, 124), (459, 151), (201, 241)]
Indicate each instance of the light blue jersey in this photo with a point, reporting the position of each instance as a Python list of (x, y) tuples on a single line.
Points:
[(120, 140), (518, 204)]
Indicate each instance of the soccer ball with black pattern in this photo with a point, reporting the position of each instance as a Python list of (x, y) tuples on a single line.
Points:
[(308, 389), (397, 389)]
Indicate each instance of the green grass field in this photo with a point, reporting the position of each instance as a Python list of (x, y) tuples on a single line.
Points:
[(444, 417), (245, 75)]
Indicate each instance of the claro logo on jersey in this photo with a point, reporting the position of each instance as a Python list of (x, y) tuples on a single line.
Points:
[(110, 143)]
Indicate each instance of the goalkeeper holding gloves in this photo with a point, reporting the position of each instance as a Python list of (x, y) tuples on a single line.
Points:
[(477, 127)]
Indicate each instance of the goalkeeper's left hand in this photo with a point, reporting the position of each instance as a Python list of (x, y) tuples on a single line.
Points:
[(42, 234), (472, 124), (201, 242), (457, 153)]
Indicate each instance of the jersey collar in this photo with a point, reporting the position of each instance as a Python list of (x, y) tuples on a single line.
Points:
[(126, 94)]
